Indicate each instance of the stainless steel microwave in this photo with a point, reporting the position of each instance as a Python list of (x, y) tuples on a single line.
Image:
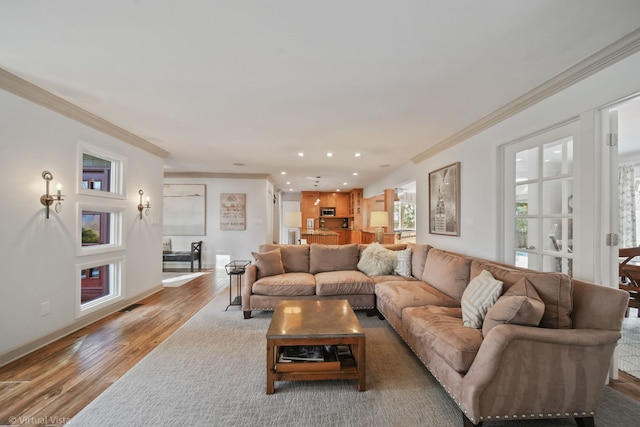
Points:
[(327, 211)]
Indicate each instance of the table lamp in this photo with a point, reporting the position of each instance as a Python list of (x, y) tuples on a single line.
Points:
[(379, 220)]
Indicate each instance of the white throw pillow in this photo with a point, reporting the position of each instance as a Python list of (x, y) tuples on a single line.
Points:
[(376, 260), (478, 297), (403, 268)]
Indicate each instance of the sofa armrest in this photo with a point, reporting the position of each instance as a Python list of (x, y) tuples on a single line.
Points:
[(523, 370), (589, 311), (248, 279)]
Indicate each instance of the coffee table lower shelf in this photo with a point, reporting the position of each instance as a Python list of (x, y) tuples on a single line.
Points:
[(349, 369)]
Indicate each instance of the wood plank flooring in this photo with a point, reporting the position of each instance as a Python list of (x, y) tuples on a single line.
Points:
[(51, 385)]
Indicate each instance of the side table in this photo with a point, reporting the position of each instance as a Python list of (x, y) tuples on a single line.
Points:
[(236, 269)]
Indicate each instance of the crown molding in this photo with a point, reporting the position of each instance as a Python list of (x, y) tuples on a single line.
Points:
[(24, 89), (216, 175), (600, 60)]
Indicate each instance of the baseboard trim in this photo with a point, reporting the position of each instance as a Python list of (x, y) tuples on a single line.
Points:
[(24, 350)]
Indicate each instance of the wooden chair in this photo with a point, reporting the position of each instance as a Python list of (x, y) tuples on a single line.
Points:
[(629, 272)]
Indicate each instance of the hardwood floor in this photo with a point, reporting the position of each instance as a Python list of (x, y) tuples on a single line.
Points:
[(51, 385)]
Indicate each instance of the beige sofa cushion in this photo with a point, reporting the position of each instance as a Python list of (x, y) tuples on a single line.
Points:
[(447, 272), (519, 305), (288, 284), (332, 257), (554, 289), (268, 263), (480, 295), (398, 295), (440, 329), (347, 282), (418, 259), (295, 258)]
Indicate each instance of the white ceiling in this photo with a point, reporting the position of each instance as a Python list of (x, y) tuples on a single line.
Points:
[(217, 83)]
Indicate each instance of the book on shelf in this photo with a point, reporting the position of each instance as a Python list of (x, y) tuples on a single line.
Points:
[(305, 353)]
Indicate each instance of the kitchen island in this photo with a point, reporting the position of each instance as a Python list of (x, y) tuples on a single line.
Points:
[(325, 237)]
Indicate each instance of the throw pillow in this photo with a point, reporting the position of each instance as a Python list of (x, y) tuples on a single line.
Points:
[(520, 305), (480, 295), (403, 268), (377, 261), (268, 263), (166, 244)]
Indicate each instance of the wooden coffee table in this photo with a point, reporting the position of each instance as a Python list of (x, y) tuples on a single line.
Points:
[(314, 323)]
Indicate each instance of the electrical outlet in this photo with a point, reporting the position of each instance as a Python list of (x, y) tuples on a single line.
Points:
[(45, 308)]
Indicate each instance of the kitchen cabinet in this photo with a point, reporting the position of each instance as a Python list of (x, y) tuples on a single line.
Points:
[(327, 200), (356, 208), (342, 205), (310, 209)]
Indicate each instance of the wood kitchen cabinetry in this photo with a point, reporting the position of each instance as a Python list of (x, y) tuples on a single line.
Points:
[(310, 209), (356, 209), (327, 200), (349, 207), (342, 205)]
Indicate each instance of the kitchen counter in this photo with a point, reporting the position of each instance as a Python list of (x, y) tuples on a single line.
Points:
[(310, 232), (325, 237)]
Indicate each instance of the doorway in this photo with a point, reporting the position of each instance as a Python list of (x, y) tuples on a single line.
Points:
[(623, 119)]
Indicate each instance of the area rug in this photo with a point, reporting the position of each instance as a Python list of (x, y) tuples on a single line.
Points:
[(173, 280), (211, 372)]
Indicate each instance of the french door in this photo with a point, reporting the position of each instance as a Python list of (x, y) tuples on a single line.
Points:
[(538, 201)]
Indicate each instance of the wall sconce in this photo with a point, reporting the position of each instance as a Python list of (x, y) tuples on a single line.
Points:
[(47, 199), (143, 207)]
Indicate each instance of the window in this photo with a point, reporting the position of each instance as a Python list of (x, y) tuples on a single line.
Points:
[(99, 282), (404, 215), (99, 229), (539, 203), (100, 172)]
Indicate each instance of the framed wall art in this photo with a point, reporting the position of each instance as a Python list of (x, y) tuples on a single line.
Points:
[(233, 211), (444, 200), (184, 212)]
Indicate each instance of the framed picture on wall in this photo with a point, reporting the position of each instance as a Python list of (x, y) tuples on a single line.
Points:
[(444, 200), (184, 210), (233, 211)]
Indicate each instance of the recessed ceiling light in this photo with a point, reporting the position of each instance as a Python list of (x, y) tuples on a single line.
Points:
[(288, 182), (355, 173), (300, 154), (329, 154), (358, 154), (283, 173), (337, 189), (238, 164), (291, 189), (344, 183)]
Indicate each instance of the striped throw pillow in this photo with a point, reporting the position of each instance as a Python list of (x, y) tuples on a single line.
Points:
[(479, 296)]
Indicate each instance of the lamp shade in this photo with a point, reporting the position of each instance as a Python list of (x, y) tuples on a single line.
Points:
[(293, 219), (379, 219)]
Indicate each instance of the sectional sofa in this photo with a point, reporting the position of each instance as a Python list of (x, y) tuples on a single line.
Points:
[(505, 343)]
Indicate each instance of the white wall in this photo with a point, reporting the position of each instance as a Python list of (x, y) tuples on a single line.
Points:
[(230, 244), (38, 257), (480, 169)]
